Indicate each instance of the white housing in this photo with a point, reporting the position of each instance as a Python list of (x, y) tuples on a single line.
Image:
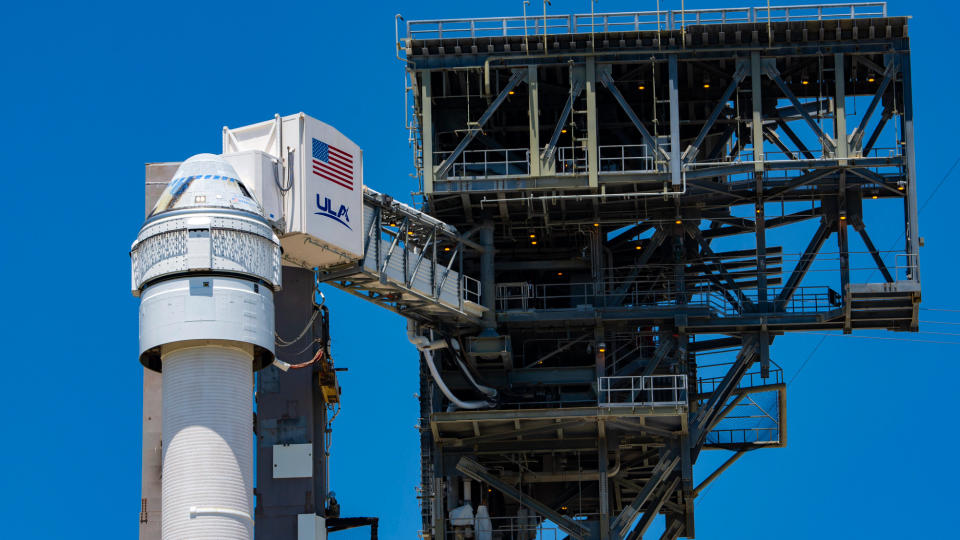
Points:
[(310, 174)]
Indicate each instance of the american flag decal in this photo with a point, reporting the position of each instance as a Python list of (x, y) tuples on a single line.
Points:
[(333, 164)]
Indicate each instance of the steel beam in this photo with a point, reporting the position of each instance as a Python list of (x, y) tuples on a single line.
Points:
[(668, 462), (819, 237), (910, 204), (426, 130), (515, 79), (551, 148), (533, 110), (840, 110), (873, 252), (648, 139), (691, 152), (673, 82), (857, 134), (478, 472), (756, 99), (715, 474), (593, 133), (650, 513), (774, 75)]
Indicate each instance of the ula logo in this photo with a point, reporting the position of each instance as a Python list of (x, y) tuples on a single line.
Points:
[(326, 209)]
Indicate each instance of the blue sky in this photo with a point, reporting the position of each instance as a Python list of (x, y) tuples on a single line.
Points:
[(92, 92)]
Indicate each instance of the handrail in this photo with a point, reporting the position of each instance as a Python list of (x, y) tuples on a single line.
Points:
[(585, 23)]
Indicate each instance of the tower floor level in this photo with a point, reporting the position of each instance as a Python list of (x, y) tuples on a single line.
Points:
[(643, 190)]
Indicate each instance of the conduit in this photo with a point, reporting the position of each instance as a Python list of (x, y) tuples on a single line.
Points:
[(425, 346)]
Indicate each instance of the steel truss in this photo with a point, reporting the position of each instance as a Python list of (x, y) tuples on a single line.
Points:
[(655, 225)]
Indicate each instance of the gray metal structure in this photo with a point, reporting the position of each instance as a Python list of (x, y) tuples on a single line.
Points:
[(643, 190)]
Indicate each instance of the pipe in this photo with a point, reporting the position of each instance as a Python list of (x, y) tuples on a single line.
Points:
[(424, 345), (454, 344)]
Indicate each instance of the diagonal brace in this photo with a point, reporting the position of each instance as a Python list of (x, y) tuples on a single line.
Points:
[(806, 260), (888, 76), (552, 146), (478, 472), (774, 75), (691, 153), (652, 511), (515, 79), (608, 81), (668, 462)]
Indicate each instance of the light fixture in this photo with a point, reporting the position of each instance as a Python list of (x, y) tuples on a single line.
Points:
[(678, 222), (596, 224), (602, 347), (641, 87), (638, 248), (874, 197), (563, 131), (510, 92), (410, 233), (559, 273), (843, 218), (533, 243), (533, 236), (393, 224), (870, 78), (804, 80), (446, 248)]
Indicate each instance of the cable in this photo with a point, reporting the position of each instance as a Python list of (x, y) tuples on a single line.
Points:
[(941, 309), (882, 338), (804, 364), (285, 343)]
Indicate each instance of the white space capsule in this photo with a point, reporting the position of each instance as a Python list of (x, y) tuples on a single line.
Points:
[(205, 266)]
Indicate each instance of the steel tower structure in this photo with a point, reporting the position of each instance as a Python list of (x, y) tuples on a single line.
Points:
[(634, 192)]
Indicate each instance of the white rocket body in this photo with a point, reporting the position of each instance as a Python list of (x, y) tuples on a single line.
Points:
[(206, 264)]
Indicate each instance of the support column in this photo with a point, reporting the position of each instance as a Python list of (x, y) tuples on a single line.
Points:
[(593, 152), (674, 123), (533, 86), (604, 487), (912, 233), (756, 138), (488, 284), (840, 111), (426, 129)]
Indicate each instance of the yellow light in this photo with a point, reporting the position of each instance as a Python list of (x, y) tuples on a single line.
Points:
[(559, 273), (638, 248), (596, 224), (641, 87), (843, 218), (901, 188), (446, 248), (678, 222), (758, 210), (393, 224), (533, 236), (563, 131), (870, 79), (510, 92), (874, 197), (410, 233), (804, 82), (706, 85), (533, 243)]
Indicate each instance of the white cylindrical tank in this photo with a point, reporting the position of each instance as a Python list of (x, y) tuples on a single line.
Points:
[(207, 440), (205, 265)]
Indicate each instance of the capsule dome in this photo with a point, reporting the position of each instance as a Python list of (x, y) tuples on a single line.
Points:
[(206, 181)]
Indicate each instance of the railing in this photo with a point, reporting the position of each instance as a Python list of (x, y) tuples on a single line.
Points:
[(506, 528), (495, 162), (648, 391), (514, 295), (534, 25), (707, 385), (628, 158), (471, 289), (754, 435), (640, 293), (571, 160)]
